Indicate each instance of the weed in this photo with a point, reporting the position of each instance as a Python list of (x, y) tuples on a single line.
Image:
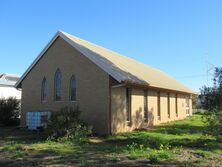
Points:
[(114, 157), (18, 155), (153, 159)]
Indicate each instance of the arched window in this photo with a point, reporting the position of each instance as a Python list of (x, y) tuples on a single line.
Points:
[(44, 90), (72, 88), (58, 85)]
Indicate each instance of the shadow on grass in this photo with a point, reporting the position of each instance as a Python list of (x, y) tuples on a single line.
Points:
[(178, 129), (95, 155), (186, 135), (20, 135)]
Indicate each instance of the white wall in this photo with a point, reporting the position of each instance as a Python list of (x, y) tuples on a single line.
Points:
[(6, 92)]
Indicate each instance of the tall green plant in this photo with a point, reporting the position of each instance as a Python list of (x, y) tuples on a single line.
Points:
[(67, 123), (9, 111)]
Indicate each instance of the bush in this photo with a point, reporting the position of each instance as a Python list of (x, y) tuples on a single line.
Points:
[(9, 112), (66, 123), (214, 124), (154, 159)]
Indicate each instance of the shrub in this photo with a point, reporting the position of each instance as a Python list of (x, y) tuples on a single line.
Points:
[(66, 123), (154, 159), (214, 124), (9, 112)]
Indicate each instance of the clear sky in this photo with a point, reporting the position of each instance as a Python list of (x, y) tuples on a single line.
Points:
[(180, 37)]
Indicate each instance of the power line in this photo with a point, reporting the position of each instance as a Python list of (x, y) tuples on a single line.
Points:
[(192, 76)]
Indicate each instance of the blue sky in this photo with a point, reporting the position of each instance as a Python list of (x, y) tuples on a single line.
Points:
[(180, 37)]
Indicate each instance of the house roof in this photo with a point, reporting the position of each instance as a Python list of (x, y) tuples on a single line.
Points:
[(8, 80), (121, 68)]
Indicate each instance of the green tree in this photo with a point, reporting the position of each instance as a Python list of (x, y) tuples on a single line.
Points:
[(211, 100)]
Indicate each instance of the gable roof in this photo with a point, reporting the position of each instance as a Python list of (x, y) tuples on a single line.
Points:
[(121, 68)]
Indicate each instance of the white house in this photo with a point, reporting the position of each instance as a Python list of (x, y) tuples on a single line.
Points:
[(7, 89)]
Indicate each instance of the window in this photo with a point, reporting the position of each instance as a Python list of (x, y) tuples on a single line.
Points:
[(176, 106), (145, 106), (72, 88), (44, 90), (158, 106), (187, 106), (128, 105), (168, 104), (58, 85)]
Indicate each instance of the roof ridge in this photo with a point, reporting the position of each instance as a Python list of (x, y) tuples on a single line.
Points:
[(122, 55), (96, 45), (117, 65)]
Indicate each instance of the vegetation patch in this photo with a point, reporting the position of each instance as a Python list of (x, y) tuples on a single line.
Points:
[(9, 111), (66, 124), (180, 142)]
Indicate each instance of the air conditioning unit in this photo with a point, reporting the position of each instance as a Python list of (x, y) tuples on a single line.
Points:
[(37, 119)]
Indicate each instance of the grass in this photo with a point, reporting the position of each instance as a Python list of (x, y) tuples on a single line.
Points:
[(181, 143)]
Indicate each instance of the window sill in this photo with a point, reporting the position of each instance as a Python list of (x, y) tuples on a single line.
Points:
[(58, 101), (63, 101), (128, 123)]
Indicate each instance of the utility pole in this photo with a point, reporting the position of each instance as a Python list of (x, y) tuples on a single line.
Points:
[(209, 69)]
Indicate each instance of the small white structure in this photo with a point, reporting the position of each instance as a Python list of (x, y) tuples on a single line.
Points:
[(7, 89)]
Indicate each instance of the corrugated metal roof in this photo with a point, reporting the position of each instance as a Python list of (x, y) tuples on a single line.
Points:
[(7, 83), (125, 68), (8, 79), (122, 68)]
